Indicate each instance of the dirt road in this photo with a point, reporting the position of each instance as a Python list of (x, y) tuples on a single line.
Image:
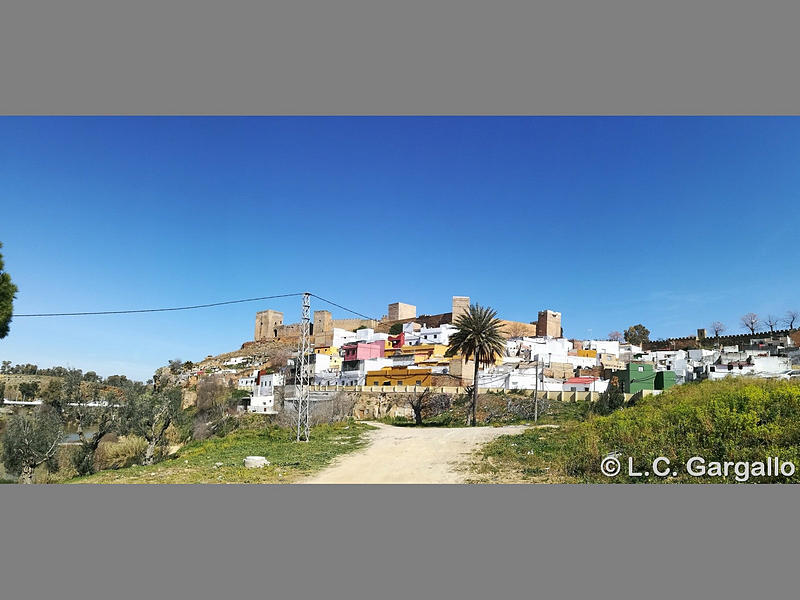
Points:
[(411, 455)]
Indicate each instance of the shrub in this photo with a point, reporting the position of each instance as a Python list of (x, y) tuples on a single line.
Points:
[(740, 419), (126, 451)]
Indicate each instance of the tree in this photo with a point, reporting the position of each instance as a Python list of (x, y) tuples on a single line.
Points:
[(2, 392), (418, 402), (637, 335), (52, 395), (479, 336), (6, 367), (213, 397), (91, 408), (396, 329), (771, 322), (610, 400), (515, 330), (615, 336), (91, 376), (8, 292), (175, 366), (149, 414), (117, 381), (29, 389), (30, 441), (717, 327), (792, 316), (750, 321)]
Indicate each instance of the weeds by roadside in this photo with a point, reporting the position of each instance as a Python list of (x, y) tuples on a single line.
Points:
[(220, 460)]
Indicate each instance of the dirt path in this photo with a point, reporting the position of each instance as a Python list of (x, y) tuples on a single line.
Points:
[(411, 455)]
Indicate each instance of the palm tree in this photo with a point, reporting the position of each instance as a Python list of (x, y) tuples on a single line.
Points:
[(480, 336)]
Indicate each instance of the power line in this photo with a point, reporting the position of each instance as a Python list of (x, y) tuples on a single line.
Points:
[(192, 307), (342, 307), (152, 310)]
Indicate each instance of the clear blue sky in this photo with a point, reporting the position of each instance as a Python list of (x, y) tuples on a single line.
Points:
[(672, 222)]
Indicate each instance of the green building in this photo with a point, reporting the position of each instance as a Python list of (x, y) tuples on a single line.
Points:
[(664, 380), (638, 376)]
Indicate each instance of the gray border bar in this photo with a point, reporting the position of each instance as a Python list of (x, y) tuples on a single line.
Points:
[(410, 57), (460, 542)]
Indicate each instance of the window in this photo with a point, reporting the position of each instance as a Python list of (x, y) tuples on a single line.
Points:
[(400, 382), (419, 382), (641, 369)]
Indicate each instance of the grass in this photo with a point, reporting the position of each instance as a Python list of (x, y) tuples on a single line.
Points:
[(289, 460), (737, 420), (529, 457)]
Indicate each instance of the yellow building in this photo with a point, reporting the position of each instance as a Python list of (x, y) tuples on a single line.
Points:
[(588, 353), (399, 376), (330, 350), (423, 351)]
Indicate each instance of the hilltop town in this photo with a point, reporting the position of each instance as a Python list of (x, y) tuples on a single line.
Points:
[(403, 352)]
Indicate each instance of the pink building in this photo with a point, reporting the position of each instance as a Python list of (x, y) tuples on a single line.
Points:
[(364, 350)]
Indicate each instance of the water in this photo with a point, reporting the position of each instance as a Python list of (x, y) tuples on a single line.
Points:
[(71, 434)]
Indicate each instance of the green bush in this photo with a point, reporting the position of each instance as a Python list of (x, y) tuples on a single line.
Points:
[(737, 419)]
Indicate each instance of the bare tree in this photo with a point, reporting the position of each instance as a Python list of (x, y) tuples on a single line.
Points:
[(750, 321), (615, 336), (792, 316), (277, 357), (212, 396), (335, 409), (418, 402), (515, 330), (717, 327), (771, 322)]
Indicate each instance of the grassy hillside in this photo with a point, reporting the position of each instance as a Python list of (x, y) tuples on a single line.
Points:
[(220, 460), (738, 419), (12, 382)]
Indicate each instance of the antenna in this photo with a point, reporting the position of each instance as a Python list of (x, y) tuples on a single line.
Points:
[(301, 376)]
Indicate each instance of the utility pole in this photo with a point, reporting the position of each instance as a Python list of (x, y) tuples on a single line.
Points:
[(301, 376), (536, 393)]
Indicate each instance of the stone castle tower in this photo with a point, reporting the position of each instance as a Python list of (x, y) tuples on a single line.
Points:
[(268, 324), (549, 323), (460, 306)]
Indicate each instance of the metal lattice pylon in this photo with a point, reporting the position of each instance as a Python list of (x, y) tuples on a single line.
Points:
[(301, 376)]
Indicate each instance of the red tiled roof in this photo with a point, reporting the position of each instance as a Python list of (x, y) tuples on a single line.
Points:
[(582, 379)]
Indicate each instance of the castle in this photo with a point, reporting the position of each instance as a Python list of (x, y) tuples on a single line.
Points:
[(269, 324)]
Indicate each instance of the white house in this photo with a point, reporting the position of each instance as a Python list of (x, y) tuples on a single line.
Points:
[(247, 383), (263, 398), (757, 366), (544, 349), (354, 372), (586, 384), (429, 335), (584, 362), (342, 337), (602, 346), (368, 335), (627, 352)]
